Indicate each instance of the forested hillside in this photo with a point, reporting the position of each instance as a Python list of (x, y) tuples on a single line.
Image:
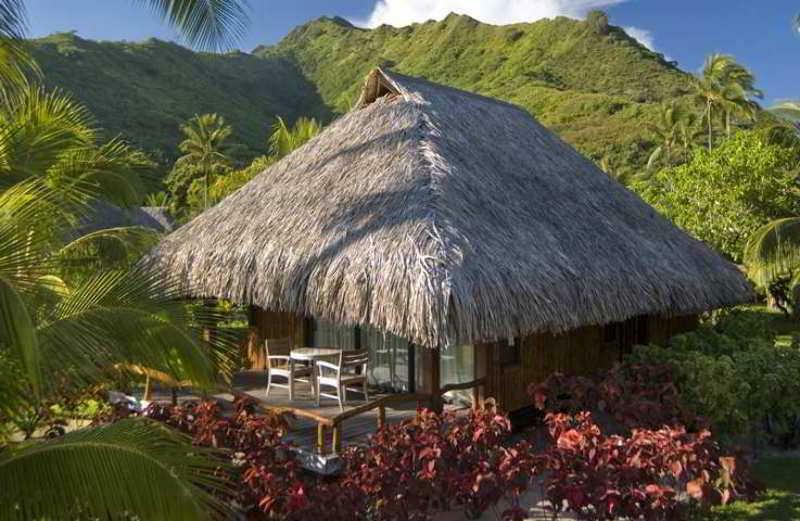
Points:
[(588, 81), (145, 91)]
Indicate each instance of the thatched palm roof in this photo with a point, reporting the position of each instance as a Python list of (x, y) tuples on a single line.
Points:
[(105, 215), (444, 217)]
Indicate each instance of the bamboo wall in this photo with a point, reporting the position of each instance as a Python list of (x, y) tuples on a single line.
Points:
[(271, 324), (584, 351)]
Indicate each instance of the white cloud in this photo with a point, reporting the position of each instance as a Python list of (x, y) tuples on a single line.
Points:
[(643, 36), (500, 12)]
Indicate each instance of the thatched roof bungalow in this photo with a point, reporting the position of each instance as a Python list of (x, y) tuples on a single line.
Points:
[(445, 218)]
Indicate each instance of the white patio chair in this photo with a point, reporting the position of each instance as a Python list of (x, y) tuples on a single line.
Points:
[(280, 364), (342, 374)]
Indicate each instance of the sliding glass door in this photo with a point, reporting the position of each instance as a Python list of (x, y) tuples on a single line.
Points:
[(390, 356)]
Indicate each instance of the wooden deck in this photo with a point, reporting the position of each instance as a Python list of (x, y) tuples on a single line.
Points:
[(303, 431)]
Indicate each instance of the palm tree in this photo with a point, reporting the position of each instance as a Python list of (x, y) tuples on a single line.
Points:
[(53, 333), (53, 329), (725, 86), (284, 140), (675, 132), (205, 153)]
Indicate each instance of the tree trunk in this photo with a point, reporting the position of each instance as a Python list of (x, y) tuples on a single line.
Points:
[(708, 111)]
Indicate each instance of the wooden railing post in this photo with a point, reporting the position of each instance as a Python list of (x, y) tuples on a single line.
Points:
[(321, 438), (337, 439), (381, 416)]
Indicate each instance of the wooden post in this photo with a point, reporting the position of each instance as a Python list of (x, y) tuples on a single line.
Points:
[(381, 416), (431, 377), (337, 439), (320, 438)]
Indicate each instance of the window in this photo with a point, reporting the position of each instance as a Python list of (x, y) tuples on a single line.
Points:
[(510, 354), (328, 334)]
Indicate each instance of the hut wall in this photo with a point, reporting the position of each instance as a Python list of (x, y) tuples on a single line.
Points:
[(584, 351), (271, 324)]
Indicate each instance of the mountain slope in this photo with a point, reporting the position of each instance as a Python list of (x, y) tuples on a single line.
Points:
[(145, 91), (594, 86), (591, 83)]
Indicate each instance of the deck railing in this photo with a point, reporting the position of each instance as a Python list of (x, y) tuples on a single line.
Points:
[(337, 423)]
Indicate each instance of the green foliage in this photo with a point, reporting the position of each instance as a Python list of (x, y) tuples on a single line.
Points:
[(225, 185), (732, 373), (285, 140), (50, 136), (772, 252), (723, 196), (146, 91), (134, 466), (675, 132), (16, 63)]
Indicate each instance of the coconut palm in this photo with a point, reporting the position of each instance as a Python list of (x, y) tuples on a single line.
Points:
[(283, 139), (205, 149), (725, 88), (47, 134), (675, 132), (59, 332)]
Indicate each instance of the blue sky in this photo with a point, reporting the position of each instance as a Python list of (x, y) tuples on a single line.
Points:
[(758, 32)]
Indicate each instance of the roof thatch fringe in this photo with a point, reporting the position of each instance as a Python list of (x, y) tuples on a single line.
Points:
[(445, 217)]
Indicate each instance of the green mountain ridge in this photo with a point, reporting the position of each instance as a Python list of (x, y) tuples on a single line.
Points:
[(592, 84)]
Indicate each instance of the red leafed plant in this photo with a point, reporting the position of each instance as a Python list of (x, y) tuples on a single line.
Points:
[(641, 476), (439, 462), (634, 395)]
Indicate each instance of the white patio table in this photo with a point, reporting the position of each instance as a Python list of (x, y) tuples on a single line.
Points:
[(311, 354)]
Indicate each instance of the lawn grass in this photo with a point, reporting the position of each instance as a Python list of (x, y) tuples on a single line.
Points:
[(781, 501)]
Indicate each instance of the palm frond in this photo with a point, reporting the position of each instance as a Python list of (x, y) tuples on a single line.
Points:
[(773, 251), (134, 467), (109, 247), (18, 334), (128, 317), (16, 62), (38, 128), (206, 24)]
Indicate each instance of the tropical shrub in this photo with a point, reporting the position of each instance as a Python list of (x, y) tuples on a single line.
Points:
[(639, 476), (439, 462), (723, 196), (633, 396), (411, 470), (742, 386)]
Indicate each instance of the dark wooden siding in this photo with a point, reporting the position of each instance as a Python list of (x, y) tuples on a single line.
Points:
[(271, 324), (583, 351)]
